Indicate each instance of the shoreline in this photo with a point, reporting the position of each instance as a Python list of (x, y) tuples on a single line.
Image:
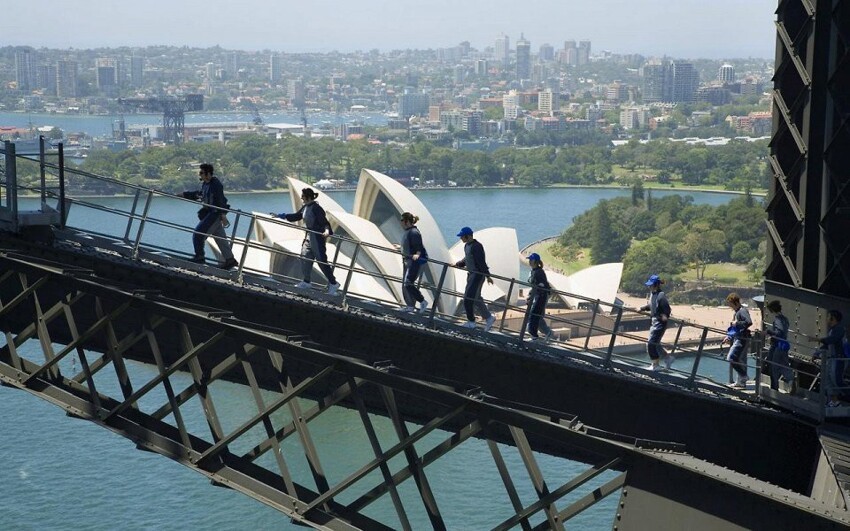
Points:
[(755, 193)]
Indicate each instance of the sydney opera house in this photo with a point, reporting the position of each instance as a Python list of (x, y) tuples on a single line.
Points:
[(366, 241)]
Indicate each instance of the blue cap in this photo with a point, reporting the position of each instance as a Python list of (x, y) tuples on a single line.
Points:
[(466, 231), (653, 280), (533, 256)]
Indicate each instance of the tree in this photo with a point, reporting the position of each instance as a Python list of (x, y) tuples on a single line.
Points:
[(702, 245), (637, 192), (653, 256), (608, 242)]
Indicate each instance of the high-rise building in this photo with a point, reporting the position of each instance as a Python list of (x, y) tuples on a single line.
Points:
[(274, 68), (460, 74), (547, 52), (570, 53), (413, 104), (654, 82), (510, 103), (685, 82), (25, 69), (66, 79), (296, 93), (106, 73), (502, 50), (137, 71), (481, 68), (523, 58), (46, 78), (583, 52), (546, 102), (471, 121), (231, 67), (726, 74)]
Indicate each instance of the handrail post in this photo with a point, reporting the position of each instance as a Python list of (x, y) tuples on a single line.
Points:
[(239, 276), (12, 181), (62, 209), (524, 324), (692, 377), (142, 225), (350, 271), (756, 344), (592, 321), (132, 215), (236, 226), (614, 332), (676, 341), (439, 292), (41, 169), (336, 252), (507, 303)]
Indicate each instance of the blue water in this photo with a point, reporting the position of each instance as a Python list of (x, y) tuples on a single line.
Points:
[(61, 473)]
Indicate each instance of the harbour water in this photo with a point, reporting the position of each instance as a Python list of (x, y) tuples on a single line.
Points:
[(62, 473)]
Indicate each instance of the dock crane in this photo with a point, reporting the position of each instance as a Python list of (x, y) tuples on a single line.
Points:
[(173, 111)]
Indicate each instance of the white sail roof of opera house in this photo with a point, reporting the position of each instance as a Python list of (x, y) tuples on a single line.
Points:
[(359, 229), (378, 204), (599, 282), (382, 200), (295, 188)]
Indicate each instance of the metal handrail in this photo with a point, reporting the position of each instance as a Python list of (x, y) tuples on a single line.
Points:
[(607, 355)]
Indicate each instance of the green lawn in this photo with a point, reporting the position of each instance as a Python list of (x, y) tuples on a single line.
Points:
[(724, 273), (567, 268)]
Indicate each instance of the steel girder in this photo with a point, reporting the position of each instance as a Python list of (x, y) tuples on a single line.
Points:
[(200, 346), (809, 201), (210, 347)]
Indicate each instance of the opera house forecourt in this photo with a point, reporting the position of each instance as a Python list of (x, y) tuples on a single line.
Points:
[(274, 247)]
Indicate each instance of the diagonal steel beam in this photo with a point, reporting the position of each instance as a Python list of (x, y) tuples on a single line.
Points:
[(335, 397), (510, 488), (216, 373), (285, 474), (76, 344), (560, 492), (590, 499), (132, 399), (376, 449), (535, 474), (169, 390), (221, 445), (432, 425), (431, 456), (310, 452), (413, 462)]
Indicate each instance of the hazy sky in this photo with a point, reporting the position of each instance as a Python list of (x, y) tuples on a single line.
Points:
[(679, 28)]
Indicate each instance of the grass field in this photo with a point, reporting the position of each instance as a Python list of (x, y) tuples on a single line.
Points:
[(567, 268), (723, 273)]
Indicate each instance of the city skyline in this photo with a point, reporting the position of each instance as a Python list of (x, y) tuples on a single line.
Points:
[(686, 28)]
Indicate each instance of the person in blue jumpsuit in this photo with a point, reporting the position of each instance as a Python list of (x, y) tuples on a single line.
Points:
[(413, 255), (739, 337), (777, 354), (477, 271), (314, 247), (538, 296), (212, 219), (833, 358), (659, 308)]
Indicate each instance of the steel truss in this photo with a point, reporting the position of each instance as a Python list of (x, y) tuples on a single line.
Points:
[(51, 305), (809, 203), (202, 331)]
